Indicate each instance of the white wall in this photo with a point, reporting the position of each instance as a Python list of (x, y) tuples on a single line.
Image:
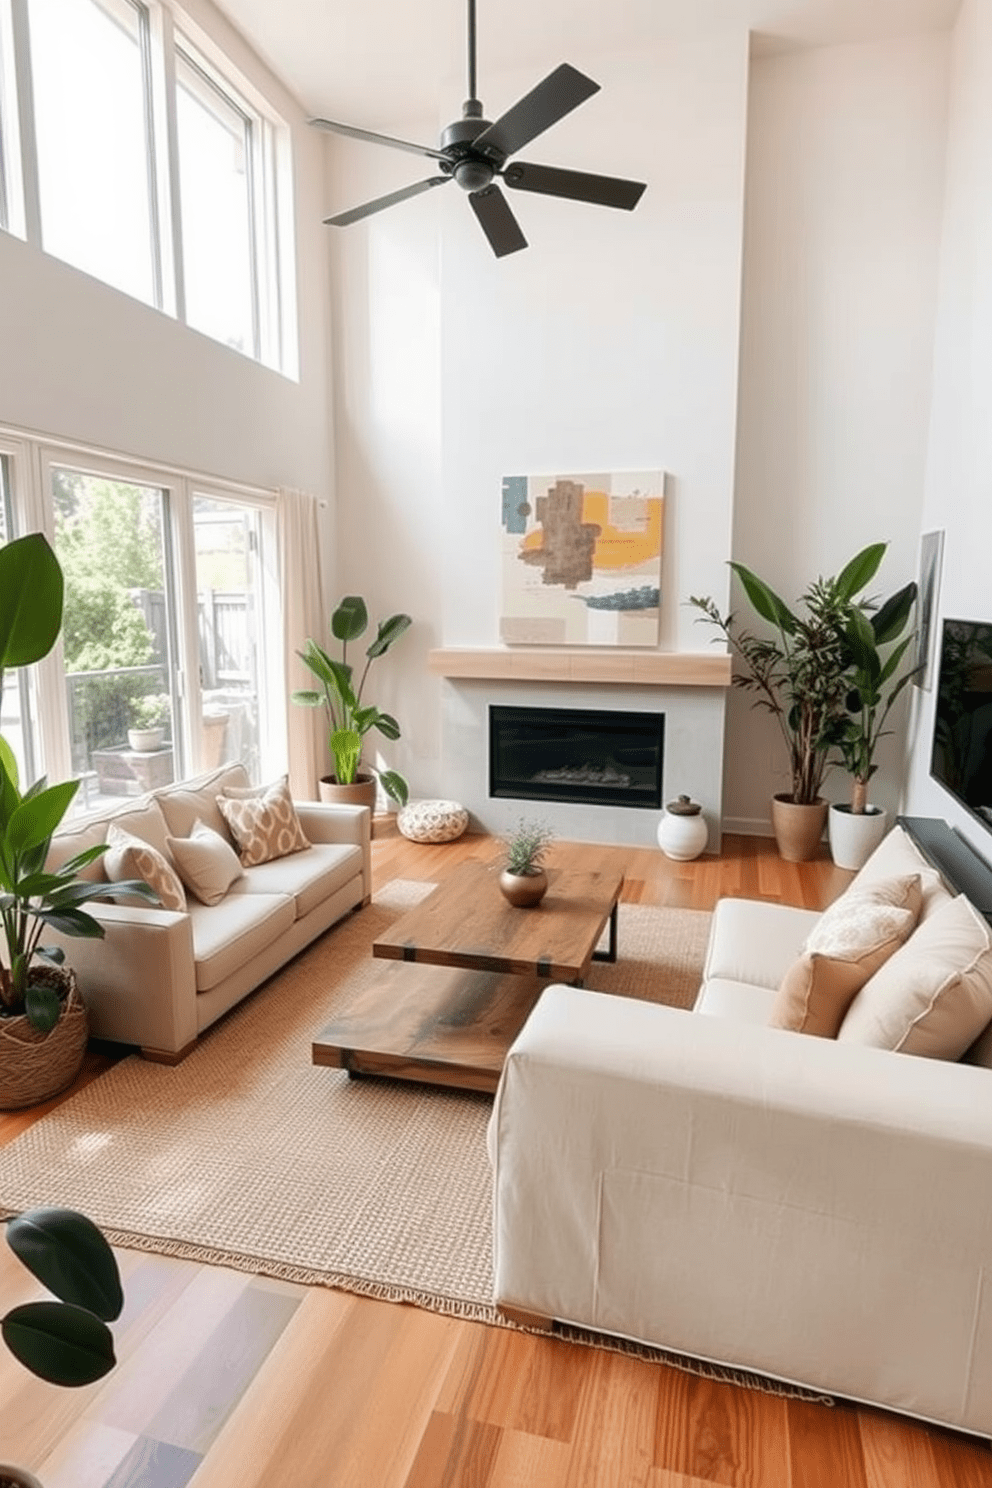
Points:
[(612, 342), (959, 471), (845, 172), (80, 360)]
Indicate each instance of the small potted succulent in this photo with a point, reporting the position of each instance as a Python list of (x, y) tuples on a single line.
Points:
[(149, 717), (523, 881)]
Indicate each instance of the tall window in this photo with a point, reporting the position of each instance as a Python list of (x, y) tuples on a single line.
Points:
[(16, 723), (11, 198), (217, 137), (95, 157)]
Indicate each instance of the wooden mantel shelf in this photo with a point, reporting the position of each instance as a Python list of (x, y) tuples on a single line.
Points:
[(563, 664)]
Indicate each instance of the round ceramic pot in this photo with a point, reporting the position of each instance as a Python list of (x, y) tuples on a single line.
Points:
[(798, 829), (144, 741), (682, 837), (854, 836), (523, 890), (361, 792)]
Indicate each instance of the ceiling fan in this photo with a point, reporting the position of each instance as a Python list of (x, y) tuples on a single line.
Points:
[(474, 152)]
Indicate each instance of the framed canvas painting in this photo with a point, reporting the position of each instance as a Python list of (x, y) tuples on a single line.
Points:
[(581, 560)]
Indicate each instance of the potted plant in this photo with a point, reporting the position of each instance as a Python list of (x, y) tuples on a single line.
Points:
[(43, 1024), (149, 716), (874, 682), (66, 1342), (799, 675), (349, 717), (523, 881)]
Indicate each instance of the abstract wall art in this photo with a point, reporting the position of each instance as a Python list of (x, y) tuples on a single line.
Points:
[(582, 559)]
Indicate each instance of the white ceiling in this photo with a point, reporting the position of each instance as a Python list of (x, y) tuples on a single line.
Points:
[(370, 62)]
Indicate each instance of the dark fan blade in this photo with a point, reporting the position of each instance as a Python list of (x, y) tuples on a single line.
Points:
[(559, 93), (355, 214), (603, 191), (375, 139), (498, 222)]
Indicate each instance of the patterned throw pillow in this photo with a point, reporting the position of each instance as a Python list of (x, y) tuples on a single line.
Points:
[(207, 863), (130, 857), (264, 824)]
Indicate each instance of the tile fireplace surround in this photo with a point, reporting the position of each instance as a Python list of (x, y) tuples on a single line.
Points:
[(689, 688)]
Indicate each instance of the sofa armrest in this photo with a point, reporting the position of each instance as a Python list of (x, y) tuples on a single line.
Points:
[(323, 822), (138, 982), (815, 1211)]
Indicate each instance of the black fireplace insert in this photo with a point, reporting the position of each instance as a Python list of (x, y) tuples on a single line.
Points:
[(599, 757)]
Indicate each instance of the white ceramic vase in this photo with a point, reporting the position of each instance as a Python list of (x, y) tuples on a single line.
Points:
[(854, 837), (682, 832)]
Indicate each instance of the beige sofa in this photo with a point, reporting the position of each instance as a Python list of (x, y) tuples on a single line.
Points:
[(159, 977), (809, 1208)]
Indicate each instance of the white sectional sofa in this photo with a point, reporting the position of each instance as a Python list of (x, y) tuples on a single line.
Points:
[(805, 1207), (159, 977)]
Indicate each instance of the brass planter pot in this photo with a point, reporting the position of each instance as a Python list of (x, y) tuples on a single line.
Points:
[(798, 829), (35, 1066), (523, 890)]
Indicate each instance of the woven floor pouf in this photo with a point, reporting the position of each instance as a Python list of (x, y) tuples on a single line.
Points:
[(432, 821)]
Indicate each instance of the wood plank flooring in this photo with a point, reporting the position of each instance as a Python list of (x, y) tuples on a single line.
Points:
[(231, 1381)]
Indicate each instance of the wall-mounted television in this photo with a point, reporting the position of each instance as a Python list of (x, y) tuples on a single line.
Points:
[(961, 760)]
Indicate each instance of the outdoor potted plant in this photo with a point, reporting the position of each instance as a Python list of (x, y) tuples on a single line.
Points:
[(799, 675), (43, 1023), (523, 881), (66, 1342), (149, 716), (350, 719), (874, 682)]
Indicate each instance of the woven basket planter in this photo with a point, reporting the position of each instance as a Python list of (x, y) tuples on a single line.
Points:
[(33, 1065)]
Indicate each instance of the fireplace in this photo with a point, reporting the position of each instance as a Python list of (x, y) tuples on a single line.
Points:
[(600, 757)]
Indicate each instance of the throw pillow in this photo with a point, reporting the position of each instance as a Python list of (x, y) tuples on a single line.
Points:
[(934, 996), (264, 824), (207, 864), (130, 857), (848, 944)]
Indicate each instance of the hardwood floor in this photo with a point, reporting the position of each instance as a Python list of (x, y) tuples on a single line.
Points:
[(230, 1381)]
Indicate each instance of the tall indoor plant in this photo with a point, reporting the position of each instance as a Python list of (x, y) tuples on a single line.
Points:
[(875, 646), (350, 719), (798, 674)]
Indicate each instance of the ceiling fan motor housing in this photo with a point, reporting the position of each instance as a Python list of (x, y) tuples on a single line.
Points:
[(472, 169)]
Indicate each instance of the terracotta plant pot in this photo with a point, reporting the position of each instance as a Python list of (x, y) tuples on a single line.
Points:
[(523, 890), (35, 1066), (361, 792), (798, 829), (854, 836)]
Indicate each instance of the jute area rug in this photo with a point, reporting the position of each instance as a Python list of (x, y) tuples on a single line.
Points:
[(247, 1155)]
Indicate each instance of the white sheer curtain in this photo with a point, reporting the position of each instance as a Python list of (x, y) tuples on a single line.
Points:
[(301, 588)]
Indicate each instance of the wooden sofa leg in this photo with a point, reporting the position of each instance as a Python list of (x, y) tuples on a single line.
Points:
[(524, 1319), (167, 1056)]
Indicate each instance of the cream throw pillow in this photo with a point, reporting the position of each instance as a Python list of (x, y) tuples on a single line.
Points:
[(130, 857), (207, 863), (263, 822), (934, 997), (848, 944)]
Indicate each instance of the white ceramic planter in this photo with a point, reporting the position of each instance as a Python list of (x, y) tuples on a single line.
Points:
[(853, 838), (682, 837), (144, 741)]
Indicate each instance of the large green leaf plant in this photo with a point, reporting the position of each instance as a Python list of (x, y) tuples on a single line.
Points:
[(800, 672), (350, 719), (66, 1341)]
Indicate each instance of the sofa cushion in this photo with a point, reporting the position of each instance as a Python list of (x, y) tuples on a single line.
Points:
[(131, 857), (71, 841), (310, 877), (755, 942), (895, 855), (182, 805), (145, 821), (848, 944), (934, 996), (263, 822), (742, 1002), (228, 935), (206, 862)]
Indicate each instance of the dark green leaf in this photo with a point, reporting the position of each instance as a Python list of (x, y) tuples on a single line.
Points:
[(76, 921), (318, 661), (59, 1342), (860, 571), (895, 657), (386, 724), (349, 619), (35, 819), (308, 699), (66, 1252), (389, 631), (82, 860), (394, 785), (8, 763), (765, 601), (30, 600), (889, 622), (42, 1006)]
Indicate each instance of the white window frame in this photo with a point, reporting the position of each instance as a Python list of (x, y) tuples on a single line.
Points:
[(272, 226)]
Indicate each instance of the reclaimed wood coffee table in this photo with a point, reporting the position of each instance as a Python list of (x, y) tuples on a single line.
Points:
[(466, 970)]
